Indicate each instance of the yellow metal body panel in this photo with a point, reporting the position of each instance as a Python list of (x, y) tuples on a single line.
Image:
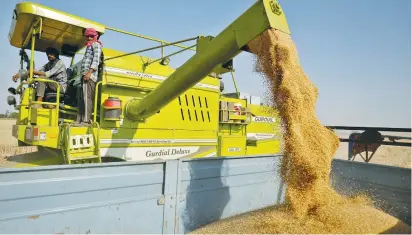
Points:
[(232, 146), (264, 120), (22, 107), (43, 117), (48, 135), (196, 110), (263, 132)]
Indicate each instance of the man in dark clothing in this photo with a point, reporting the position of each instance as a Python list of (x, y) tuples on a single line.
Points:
[(53, 70)]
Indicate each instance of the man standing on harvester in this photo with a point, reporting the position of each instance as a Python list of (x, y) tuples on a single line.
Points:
[(90, 71)]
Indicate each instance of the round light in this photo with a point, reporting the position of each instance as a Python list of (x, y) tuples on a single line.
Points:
[(165, 61)]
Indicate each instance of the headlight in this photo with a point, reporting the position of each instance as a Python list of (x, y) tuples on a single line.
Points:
[(23, 74), (11, 100), (12, 90)]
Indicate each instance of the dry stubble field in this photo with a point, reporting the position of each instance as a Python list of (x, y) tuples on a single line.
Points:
[(8, 144), (386, 155)]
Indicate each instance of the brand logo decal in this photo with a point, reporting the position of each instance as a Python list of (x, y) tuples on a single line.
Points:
[(152, 76), (149, 153), (149, 141), (263, 119), (260, 136), (167, 152)]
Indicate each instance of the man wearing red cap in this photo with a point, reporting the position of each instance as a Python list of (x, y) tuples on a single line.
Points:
[(89, 70)]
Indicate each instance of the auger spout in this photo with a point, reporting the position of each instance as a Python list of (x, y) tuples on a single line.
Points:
[(263, 15)]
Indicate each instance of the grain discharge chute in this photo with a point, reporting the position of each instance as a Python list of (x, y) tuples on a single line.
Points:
[(144, 109), (212, 54)]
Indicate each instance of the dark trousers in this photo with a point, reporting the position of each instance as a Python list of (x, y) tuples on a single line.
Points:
[(43, 87), (85, 101)]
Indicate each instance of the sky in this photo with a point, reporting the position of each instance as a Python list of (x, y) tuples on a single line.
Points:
[(356, 52)]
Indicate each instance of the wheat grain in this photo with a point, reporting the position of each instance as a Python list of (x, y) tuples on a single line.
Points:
[(311, 205)]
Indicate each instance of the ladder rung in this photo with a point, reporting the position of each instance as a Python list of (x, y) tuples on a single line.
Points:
[(82, 150), (73, 158), (66, 120), (62, 106)]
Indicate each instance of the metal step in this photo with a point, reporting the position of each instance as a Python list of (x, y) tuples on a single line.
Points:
[(73, 158), (84, 159), (82, 148)]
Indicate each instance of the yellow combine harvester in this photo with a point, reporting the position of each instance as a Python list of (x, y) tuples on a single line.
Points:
[(164, 113)]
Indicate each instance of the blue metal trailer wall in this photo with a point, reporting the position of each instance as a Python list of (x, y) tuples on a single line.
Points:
[(97, 199), (210, 190), (388, 186), (175, 196), (164, 197)]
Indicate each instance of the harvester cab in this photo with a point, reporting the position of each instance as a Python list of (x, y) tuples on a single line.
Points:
[(143, 108)]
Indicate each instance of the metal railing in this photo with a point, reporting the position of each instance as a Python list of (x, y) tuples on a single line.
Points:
[(157, 47), (33, 80), (162, 42), (96, 93)]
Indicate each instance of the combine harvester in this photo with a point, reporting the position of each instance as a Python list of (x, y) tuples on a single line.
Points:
[(144, 109), (161, 120)]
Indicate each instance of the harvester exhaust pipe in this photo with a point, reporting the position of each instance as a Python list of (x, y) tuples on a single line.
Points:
[(263, 15)]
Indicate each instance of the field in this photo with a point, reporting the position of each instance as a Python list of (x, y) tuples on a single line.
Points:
[(8, 144), (386, 155)]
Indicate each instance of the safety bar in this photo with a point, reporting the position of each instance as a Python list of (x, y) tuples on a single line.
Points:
[(21, 84), (64, 140), (66, 120), (69, 108), (152, 48), (170, 55), (39, 23), (95, 101), (68, 112), (234, 83), (145, 37)]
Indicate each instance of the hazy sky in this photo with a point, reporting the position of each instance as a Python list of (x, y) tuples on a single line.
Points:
[(356, 52)]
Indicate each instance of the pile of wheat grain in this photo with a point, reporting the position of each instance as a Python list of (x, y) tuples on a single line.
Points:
[(311, 206)]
